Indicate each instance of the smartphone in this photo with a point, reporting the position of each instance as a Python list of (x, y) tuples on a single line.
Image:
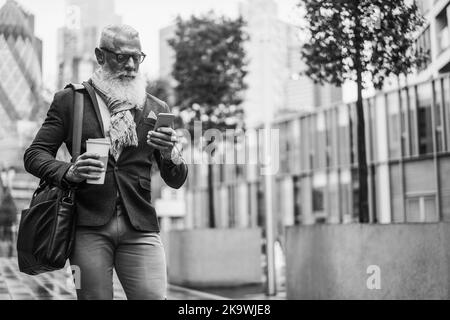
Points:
[(164, 120)]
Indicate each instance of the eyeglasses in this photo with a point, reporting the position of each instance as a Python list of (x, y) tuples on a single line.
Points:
[(123, 57)]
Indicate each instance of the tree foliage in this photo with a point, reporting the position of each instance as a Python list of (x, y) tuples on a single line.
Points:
[(375, 36), (210, 68), (161, 89)]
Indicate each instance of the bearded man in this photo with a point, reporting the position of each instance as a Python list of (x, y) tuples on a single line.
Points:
[(117, 226)]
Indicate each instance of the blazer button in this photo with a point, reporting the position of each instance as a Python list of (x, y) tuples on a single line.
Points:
[(116, 169)]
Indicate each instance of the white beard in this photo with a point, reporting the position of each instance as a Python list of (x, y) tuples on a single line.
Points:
[(132, 91)]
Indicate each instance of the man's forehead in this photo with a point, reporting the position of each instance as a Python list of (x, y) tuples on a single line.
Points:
[(120, 37)]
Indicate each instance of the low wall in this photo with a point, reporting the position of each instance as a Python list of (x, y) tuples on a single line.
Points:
[(334, 261), (214, 257)]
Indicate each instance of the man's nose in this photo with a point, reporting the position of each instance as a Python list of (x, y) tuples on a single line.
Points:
[(130, 65)]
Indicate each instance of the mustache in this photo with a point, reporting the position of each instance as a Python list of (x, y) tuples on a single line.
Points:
[(125, 74)]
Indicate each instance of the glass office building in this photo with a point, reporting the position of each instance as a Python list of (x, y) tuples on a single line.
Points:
[(21, 79), (408, 151)]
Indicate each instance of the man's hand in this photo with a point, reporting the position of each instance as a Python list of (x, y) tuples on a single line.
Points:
[(163, 139), (85, 167)]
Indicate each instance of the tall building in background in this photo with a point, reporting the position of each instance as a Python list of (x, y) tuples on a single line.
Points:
[(274, 83), (273, 52), (22, 106), (21, 80), (77, 39)]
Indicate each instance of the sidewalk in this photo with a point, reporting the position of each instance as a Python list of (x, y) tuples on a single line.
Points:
[(15, 285)]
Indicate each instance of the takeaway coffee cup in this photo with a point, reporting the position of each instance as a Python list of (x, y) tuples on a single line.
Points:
[(100, 147)]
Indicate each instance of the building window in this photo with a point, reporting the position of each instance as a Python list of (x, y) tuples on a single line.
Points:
[(438, 117), (305, 144), (412, 122), (424, 5), (393, 125), (297, 201), (423, 46), (344, 136), (318, 200), (424, 120), (405, 140), (446, 107), (442, 31), (260, 204), (421, 209), (321, 141), (232, 206)]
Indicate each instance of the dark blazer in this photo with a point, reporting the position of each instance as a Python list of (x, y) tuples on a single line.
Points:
[(129, 175)]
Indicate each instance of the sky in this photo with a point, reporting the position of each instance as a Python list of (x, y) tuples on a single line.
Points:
[(147, 16)]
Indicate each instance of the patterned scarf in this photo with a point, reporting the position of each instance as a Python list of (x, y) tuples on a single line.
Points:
[(123, 128)]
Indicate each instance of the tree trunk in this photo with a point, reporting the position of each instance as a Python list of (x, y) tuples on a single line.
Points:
[(363, 198), (363, 201), (212, 217), (211, 214)]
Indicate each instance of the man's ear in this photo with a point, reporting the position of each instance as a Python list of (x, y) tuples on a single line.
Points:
[(100, 56)]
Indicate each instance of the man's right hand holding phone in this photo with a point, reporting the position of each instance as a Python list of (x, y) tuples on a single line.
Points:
[(163, 139)]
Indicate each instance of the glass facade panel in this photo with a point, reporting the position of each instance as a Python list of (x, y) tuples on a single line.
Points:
[(446, 106), (305, 148), (393, 114), (413, 142), (344, 136), (353, 143), (413, 210), (404, 123), (284, 148), (333, 139), (430, 209), (423, 45), (424, 118), (438, 115), (321, 142), (318, 200), (314, 140), (295, 140), (297, 201)]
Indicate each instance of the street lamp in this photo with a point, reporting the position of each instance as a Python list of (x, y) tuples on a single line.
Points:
[(264, 39)]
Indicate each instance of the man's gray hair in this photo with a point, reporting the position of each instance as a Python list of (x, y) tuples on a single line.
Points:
[(111, 32)]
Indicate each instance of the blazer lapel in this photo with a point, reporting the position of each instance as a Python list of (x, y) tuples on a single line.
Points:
[(93, 96), (138, 114)]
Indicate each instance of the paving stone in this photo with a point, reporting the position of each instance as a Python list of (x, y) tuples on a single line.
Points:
[(15, 285)]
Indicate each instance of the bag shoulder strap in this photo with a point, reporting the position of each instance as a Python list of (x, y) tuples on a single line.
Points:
[(78, 110)]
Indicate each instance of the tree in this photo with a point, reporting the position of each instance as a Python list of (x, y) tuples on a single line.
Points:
[(161, 89), (209, 70), (366, 41)]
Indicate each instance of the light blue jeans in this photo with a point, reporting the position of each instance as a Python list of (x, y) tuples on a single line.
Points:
[(138, 258)]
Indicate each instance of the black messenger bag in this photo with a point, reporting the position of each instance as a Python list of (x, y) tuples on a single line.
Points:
[(47, 228)]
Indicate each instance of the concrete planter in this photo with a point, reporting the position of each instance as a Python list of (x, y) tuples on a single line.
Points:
[(342, 261), (214, 257)]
